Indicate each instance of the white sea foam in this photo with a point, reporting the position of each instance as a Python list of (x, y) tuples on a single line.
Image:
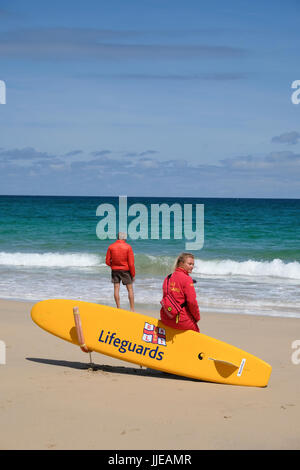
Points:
[(157, 264), (254, 294), (60, 260), (275, 268)]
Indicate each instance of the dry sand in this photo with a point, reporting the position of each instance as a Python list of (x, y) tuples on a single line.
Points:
[(50, 400)]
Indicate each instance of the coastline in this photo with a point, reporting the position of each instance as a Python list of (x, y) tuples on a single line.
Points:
[(50, 400)]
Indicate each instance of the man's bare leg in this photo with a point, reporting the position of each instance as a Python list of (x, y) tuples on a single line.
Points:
[(130, 296), (117, 293)]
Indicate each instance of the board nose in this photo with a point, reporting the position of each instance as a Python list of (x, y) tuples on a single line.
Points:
[(34, 314)]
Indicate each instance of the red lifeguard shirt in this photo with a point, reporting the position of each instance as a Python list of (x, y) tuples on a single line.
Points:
[(120, 256), (182, 288)]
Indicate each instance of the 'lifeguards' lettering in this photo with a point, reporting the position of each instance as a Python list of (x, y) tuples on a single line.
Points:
[(124, 345)]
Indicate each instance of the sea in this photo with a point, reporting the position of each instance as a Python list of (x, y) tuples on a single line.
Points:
[(249, 262)]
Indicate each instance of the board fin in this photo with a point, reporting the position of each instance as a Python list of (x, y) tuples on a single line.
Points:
[(221, 361)]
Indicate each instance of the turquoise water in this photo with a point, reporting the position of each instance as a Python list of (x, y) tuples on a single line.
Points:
[(250, 261)]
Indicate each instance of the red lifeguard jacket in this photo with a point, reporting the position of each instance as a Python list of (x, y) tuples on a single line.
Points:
[(181, 286)]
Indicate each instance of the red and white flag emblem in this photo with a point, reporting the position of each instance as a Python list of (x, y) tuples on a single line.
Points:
[(154, 334)]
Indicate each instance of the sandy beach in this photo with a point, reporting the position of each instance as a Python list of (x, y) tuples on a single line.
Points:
[(49, 399)]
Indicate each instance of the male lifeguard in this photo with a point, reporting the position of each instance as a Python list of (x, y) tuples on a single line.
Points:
[(120, 258)]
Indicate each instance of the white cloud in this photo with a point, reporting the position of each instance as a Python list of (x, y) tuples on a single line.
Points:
[(81, 43), (283, 161), (291, 138), (241, 176)]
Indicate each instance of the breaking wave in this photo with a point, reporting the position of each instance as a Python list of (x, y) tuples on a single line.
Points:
[(156, 265), (274, 268), (60, 260)]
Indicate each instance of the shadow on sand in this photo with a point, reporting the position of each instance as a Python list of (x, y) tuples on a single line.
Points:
[(145, 372)]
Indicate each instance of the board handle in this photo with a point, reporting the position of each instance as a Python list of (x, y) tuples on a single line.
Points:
[(79, 331)]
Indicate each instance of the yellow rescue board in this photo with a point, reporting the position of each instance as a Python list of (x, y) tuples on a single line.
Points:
[(146, 341)]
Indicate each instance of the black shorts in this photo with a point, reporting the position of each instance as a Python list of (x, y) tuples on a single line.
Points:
[(118, 275)]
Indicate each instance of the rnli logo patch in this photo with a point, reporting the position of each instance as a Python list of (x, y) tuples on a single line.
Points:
[(154, 334)]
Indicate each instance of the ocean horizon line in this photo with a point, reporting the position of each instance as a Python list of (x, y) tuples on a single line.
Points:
[(154, 197)]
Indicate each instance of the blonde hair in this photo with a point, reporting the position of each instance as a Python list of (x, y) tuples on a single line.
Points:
[(181, 259)]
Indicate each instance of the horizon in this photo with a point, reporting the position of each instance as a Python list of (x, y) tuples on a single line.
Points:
[(147, 197)]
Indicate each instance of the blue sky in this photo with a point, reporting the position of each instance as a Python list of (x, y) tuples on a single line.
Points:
[(150, 98)]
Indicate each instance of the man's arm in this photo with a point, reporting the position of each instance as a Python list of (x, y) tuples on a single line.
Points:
[(130, 261), (108, 257)]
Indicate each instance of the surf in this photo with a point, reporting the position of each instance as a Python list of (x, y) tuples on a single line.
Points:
[(251, 268), (49, 259)]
